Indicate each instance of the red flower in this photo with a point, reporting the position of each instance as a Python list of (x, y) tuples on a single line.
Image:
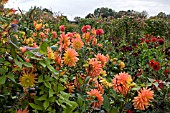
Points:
[(129, 111), (85, 28), (142, 39), (151, 63), (99, 32), (62, 28), (147, 41), (166, 73), (147, 36), (154, 39), (156, 66), (161, 41)]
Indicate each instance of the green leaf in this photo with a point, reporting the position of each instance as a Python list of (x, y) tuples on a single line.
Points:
[(80, 80), (43, 97), (69, 109), (18, 63), (51, 92), (37, 107), (42, 64), (65, 95), (47, 84), (80, 100), (59, 88), (43, 48), (3, 70), (40, 79), (51, 68), (2, 79), (36, 58), (11, 77), (27, 64), (113, 110), (106, 103), (87, 79), (46, 104)]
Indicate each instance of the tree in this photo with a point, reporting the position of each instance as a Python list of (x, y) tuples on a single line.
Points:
[(161, 15)]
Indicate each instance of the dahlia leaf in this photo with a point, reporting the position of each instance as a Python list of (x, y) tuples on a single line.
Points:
[(43, 48), (2, 79), (11, 77), (46, 104), (37, 107), (106, 103)]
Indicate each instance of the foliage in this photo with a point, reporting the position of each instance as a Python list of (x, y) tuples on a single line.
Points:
[(99, 66)]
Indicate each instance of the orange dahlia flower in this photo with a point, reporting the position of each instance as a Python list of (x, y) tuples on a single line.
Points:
[(77, 43), (121, 83), (97, 96), (145, 96), (87, 37), (70, 57), (94, 67), (64, 41), (27, 80), (38, 26), (23, 111), (101, 58)]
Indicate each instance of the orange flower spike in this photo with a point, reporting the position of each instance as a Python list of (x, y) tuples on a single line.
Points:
[(70, 57), (141, 101), (95, 93)]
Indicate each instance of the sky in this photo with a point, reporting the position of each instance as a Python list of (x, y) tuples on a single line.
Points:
[(81, 8)]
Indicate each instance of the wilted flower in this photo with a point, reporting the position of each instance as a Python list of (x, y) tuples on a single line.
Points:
[(70, 87), (96, 98), (70, 57), (145, 96), (121, 83)]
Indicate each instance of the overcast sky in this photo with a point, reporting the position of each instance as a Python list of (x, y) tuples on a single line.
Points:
[(72, 8)]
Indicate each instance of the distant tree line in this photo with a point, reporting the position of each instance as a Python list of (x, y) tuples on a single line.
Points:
[(105, 12)]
